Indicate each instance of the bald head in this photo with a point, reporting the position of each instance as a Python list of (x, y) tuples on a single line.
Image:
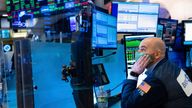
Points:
[(156, 44)]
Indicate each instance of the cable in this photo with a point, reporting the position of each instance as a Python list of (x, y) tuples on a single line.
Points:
[(110, 90), (104, 56)]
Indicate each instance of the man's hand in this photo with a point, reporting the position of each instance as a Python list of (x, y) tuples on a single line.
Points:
[(141, 64)]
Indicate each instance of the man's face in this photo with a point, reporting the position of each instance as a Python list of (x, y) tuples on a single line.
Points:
[(146, 48)]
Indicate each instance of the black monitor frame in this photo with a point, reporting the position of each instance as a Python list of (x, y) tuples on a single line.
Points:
[(99, 75), (169, 40), (189, 43)]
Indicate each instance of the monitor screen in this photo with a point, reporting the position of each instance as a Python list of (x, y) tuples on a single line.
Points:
[(135, 17), (72, 21), (5, 33), (104, 30), (159, 32), (131, 45), (99, 75), (170, 29), (4, 24), (187, 32), (41, 7)]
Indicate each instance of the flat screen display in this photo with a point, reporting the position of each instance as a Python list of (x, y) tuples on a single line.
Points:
[(170, 29), (104, 30), (187, 32), (4, 23), (5, 33), (135, 17), (73, 26), (99, 75), (131, 45), (159, 32), (40, 7)]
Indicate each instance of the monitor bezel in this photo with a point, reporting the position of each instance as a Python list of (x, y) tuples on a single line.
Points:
[(187, 43), (164, 27)]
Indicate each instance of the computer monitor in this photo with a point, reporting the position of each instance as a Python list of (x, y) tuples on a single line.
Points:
[(104, 30), (187, 24), (41, 7), (5, 33), (73, 23), (99, 75), (159, 32), (100, 78), (131, 45), (135, 17), (4, 23), (170, 29)]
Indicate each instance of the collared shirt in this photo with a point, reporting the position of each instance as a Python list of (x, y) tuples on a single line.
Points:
[(145, 73), (150, 69)]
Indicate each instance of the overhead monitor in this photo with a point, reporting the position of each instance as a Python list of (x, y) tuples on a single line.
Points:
[(42, 7), (170, 29), (187, 32), (135, 17), (131, 45), (104, 30)]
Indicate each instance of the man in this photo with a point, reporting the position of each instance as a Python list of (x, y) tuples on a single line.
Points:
[(166, 85)]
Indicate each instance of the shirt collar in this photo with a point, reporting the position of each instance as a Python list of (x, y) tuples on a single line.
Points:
[(150, 69)]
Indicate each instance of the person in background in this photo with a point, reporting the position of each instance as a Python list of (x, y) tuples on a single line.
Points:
[(166, 85)]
